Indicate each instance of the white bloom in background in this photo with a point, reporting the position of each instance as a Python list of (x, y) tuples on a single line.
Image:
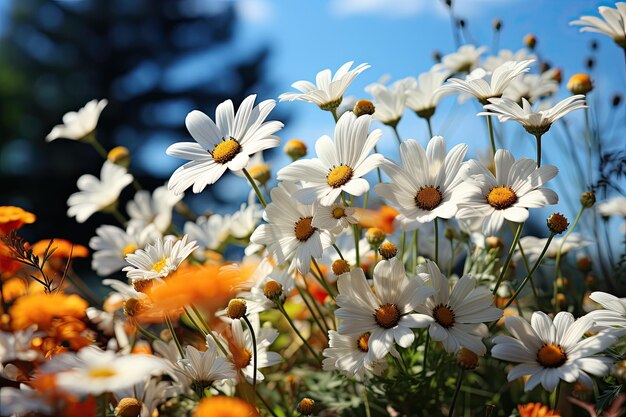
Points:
[(504, 55), (550, 351), (340, 165), (423, 187), (209, 232), (225, 144), (24, 401), (390, 101), (459, 315), (533, 246), (614, 312), (111, 245), (385, 311), (289, 234), (145, 209), (613, 25), (18, 345), (205, 367), (531, 87), (78, 125), (94, 371), (149, 394), (615, 206), (98, 194), (350, 355), (465, 59), (242, 351), (425, 96), (247, 218), (334, 218), (485, 85), (509, 194), (159, 259), (328, 90), (534, 122)]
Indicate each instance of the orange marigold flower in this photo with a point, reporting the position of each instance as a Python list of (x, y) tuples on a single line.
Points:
[(222, 406), (536, 410), (41, 309), (8, 264), (13, 288), (62, 249), (12, 218), (382, 218)]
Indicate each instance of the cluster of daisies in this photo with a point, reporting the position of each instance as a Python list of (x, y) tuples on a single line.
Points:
[(349, 288)]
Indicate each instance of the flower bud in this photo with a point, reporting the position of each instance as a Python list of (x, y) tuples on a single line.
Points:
[(562, 283), (449, 233), (593, 45), (557, 223), (375, 236), (388, 250), (530, 41), (496, 24), (119, 155), (590, 63), (619, 371), (306, 406), (128, 407), (584, 264), (260, 172), (580, 84), (557, 75), (272, 290), (466, 359), (133, 306), (340, 267), (295, 149), (616, 100), (143, 285), (363, 107), (587, 199), (436, 56), (494, 242), (236, 309)]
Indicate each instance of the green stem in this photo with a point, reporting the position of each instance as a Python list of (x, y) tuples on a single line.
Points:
[(491, 135), (380, 176), (334, 113), (415, 249), (308, 305), (321, 278), (430, 127), (147, 333), (402, 245), (366, 402), (255, 187), (338, 251), (507, 261), (357, 238), (560, 249), (538, 137), (557, 394), (170, 326), (426, 352), (437, 241), (451, 257), (281, 308), (119, 216), (459, 382), (527, 266), (254, 353), (96, 145), (395, 130), (102, 404)]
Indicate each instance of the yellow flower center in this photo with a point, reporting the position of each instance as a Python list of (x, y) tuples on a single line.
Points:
[(387, 316), (339, 175), (128, 407), (363, 342), (160, 264), (551, 356), (428, 198), (130, 248), (225, 151), (102, 373), (501, 197), (260, 172), (241, 358), (444, 316), (303, 229), (338, 213)]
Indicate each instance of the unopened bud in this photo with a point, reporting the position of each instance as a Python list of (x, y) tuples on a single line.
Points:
[(497, 24), (466, 359), (557, 223), (619, 371), (375, 236), (128, 407), (388, 250), (340, 267), (306, 406), (119, 155), (295, 149), (133, 306), (530, 41), (587, 199), (236, 309), (494, 242), (590, 63), (584, 264), (272, 290), (437, 56), (616, 100), (363, 107), (562, 283), (580, 84), (449, 233), (260, 172)]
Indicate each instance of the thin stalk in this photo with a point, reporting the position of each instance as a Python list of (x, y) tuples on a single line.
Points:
[(507, 261), (338, 251), (380, 176), (491, 135), (557, 394), (170, 326), (119, 216), (255, 187), (193, 321), (334, 113), (527, 266), (402, 244), (281, 308), (560, 249), (430, 127), (316, 305), (426, 352), (395, 130), (308, 305), (437, 241), (102, 404), (415, 249), (451, 257), (267, 406), (538, 137), (97, 146), (254, 355), (147, 333), (366, 402), (357, 238), (459, 382), (321, 278)]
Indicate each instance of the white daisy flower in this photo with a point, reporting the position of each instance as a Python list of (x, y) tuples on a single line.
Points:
[(531, 87), (615, 206), (328, 90), (340, 165), (390, 101), (289, 233), (98, 194), (94, 371), (425, 96), (509, 194), (209, 232), (422, 188), (334, 218), (145, 209), (504, 55), (246, 219), (24, 401), (614, 312), (386, 311), (205, 367), (241, 348), (159, 259), (459, 314), (533, 246), (534, 122), (18, 345), (111, 245), (485, 85), (225, 144), (465, 59), (78, 125), (350, 355), (613, 25), (550, 351)]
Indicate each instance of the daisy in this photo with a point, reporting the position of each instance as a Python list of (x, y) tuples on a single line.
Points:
[(111, 245), (463, 60), (78, 125), (613, 25), (615, 206), (350, 355), (614, 312), (94, 371), (509, 194), (24, 401), (340, 165), (533, 246), (550, 350), (531, 87), (159, 259), (385, 311), (458, 314), (425, 96), (484, 84), (18, 346), (422, 188), (205, 368), (156, 209), (225, 144), (504, 55), (335, 218), (246, 219), (289, 233), (209, 232), (390, 101), (98, 194), (328, 90)]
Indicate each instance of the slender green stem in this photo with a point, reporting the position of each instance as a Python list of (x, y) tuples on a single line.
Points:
[(451, 257), (254, 353), (557, 394), (426, 352), (366, 199), (267, 406), (96, 145), (507, 261), (252, 182), (281, 308), (316, 305), (338, 251), (538, 137), (430, 127), (170, 326), (193, 321), (397, 134), (527, 266), (491, 135), (334, 113), (147, 333), (366, 402), (102, 404), (357, 238), (459, 382), (119, 216), (321, 278), (380, 176), (560, 249), (415, 251), (402, 245), (436, 241), (324, 329)]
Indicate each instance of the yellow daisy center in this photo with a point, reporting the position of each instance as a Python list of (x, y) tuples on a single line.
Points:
[(339, 175), (363, 341), (444, 315), (102, 373), (551, 356), (225, 151), (428, 198), (160, 264), (130, 248), (303, 229), (338, 213), (501, 197), (387, 315), (242, 358)]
